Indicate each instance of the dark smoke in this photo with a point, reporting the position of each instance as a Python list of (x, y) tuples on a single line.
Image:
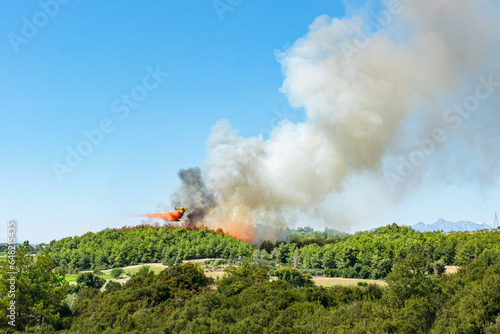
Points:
[(194, 195)]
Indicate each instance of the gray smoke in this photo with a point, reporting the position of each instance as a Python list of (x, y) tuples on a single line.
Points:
[(194, 195), (376, 88)]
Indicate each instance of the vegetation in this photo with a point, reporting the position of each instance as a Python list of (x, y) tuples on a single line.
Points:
[(372, 254), (419, 297), (117, 272), (143, 244), (32, 288), (294, 277), (363, 255), (180, 300)]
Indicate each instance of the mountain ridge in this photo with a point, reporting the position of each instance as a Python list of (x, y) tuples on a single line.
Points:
[(449, 226)]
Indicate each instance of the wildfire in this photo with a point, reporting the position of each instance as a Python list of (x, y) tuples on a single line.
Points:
[(241, 231), (237, 228)]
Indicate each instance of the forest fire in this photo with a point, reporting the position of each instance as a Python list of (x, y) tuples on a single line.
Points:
[(245, 233), (241, 231), (207, 208), (236, 229)]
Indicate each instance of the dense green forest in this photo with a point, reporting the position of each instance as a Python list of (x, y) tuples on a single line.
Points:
[(369, 254), (142, 244), (181, 299), (372, 254)]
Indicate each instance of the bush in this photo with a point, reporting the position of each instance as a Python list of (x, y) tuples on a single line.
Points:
[(112, 286), (98, 272), (313, 272), (170, 261), (294, 277), (236, 279), (438, 267), (117, 272), (90, 280), (331, 273)]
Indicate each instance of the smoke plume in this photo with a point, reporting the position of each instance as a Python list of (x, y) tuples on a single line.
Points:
[(379, 90), (194, 195)]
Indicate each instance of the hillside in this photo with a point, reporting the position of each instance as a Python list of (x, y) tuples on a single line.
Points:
[(142, 244), (364, 255), (271, 293)]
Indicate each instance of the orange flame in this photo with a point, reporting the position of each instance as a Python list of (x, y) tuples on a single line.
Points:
[(237, 227)]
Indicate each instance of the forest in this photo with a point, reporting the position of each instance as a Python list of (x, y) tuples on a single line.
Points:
[(142, 244), (369, 254), (271, 291)]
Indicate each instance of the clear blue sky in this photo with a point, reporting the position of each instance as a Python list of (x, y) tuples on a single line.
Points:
[(65, 77)]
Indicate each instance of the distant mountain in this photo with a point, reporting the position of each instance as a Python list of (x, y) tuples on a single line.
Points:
[(447, 226)]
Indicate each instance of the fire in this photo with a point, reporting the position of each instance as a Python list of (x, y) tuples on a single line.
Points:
[(239, 230), (236, 225)]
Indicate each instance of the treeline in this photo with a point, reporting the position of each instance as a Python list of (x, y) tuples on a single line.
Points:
[(303, 236), (372, 254), (142, 244), (369, 254), (181, 299)]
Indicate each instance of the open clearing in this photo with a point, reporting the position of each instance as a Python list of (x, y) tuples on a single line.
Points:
[(218, 271), (329, 281), (451, 269)]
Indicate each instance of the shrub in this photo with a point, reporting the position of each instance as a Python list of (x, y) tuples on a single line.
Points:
[(117, 272), (331, 273), (98, 272), (90, 280), (294, 277), (313, 272)]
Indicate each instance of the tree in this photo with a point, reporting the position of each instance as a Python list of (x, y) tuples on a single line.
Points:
[(294, 277), (35, 287), (84, 262), (439, 267), (112, 287), (266, 245), (90, 280), (117, 272), (409, 278), (236, 279)]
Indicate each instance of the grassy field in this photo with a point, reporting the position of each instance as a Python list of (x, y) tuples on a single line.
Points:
[(72, 278), (218, 271), (329, 281)]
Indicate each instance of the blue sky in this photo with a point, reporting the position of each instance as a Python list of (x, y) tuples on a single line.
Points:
[(64, 79)]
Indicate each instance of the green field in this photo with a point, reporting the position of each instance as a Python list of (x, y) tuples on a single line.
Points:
[(72, 278), (133, 271)]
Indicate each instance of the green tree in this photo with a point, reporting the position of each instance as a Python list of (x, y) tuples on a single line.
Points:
[(84, 262), (439, 267), (117, 272), (35, 287), (236, 279), (294, 277), (410, 278), (90, 280)]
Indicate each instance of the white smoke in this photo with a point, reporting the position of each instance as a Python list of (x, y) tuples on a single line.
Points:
[(374, 87)]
